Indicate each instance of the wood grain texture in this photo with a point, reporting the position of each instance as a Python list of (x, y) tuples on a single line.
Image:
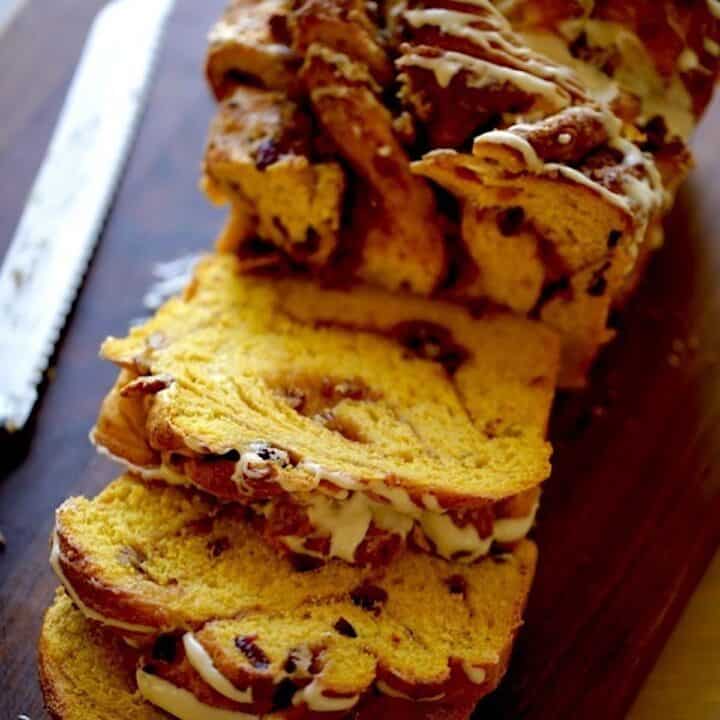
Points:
[(630, 516)]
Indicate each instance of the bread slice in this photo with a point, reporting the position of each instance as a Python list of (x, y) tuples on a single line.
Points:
[(350, 421), (249, 45), (86, 671), (191, 583), (89, 673)]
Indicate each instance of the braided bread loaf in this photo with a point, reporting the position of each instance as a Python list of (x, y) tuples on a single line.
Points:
[(515, 159)]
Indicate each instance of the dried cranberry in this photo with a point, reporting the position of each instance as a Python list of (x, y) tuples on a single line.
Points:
[(457, 585), (598, 283), (257, 657), (283, 694), (219, 546), (432, 342), (345, 628), (267, 153), (614, 238), (165, 648), (511, 220), (369, 597)]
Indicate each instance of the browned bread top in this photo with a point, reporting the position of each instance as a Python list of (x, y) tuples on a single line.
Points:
[(572, 167), (249, 45)]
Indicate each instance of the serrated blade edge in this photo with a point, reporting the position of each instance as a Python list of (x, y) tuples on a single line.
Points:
[(68, 203)]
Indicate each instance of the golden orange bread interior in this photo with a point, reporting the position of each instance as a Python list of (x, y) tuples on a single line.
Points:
[(341, 409), (156, 563)]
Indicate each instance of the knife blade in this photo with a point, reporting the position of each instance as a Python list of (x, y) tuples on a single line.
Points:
[(71, 195)]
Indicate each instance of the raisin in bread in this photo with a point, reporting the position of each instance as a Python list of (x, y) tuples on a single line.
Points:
[(217, 614), (351, 422)]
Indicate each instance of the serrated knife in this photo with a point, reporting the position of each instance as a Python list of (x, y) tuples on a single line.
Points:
[(72, 193)]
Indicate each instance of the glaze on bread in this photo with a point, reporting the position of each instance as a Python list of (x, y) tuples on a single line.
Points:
[(350, 422)]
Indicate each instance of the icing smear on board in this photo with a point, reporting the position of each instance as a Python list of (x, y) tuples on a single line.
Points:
[(169, 278)]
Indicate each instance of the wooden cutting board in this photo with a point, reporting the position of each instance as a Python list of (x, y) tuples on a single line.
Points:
[(630, 517)]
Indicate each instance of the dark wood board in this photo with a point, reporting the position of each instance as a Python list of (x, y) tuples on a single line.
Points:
[(630, 517)]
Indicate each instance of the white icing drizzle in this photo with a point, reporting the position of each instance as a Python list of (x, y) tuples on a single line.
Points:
[(599, 85), (450, 539), (182, 703), (344, 64), (688, 60), (88, 612), (335, 477), (512, 529), (714, 7), (199, 658), (252, 466), (516, 142), (388, 690), (246, 25), (476, 675), (344, 514), (444, 67), (296, 544), (431, 503), (460, 24), (711, 47), (346, 523), (156, 472), (636, 72), (398, 497), (484, 73), (312, 696)]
